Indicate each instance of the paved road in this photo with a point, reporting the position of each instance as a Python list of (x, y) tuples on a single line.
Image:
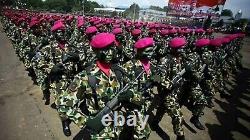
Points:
[(24, 117)]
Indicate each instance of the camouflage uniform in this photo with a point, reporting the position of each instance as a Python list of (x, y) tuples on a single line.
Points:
[(79, 103)]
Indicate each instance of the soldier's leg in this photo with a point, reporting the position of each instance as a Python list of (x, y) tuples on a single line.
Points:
[(65, 124), (173, 109), (198, 103), (206, 86), (46, 91), (137, 132)]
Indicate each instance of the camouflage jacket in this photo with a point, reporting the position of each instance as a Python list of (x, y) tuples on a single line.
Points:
[(94, 99)]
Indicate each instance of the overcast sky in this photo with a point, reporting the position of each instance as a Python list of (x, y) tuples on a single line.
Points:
[(234, 5)]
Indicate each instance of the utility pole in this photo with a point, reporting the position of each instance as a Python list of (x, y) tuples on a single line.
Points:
[(134, 11), (83, 7)]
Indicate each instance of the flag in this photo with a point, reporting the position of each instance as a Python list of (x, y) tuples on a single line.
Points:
[(210, 3)]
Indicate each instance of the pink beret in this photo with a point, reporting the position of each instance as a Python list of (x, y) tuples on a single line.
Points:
[(202, 42), (138, 25), (116, 26), (91, 30), (144, 43), (241, 35), (164, 32), (117, 31), (225, 40), (102, 40), (187, 31), (98, 25), (216, 42), (58, 26), (177, 42), (136, 32), (33, 23), (199, 31), (152, 31), (231, 37), (172, 31), (80, 22)]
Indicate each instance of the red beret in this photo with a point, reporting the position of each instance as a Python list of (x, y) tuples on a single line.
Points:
[(98, 25), (231, 37), (241, 35), (202, 42), (102, 40), (97, 22), (152, 31), (164, 32), (187, 31), (144, 43), (136, 32), (58, 26), (225, 40), (33, 23), (177, 42), (116, 26), (80, 22), (91, 30), (117, 31), (216, 42), (199, 31), (172, 31)]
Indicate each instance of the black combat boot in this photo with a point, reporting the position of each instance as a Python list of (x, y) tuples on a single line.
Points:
[(66, 128), (182, 137), (195, 120), (46, 96)]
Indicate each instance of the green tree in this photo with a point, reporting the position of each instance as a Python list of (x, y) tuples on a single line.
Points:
[(157, 8), (227, 12), (133, 11), (166, 8)]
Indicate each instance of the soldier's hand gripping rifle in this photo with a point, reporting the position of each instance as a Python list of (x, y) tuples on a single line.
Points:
[(94, 125)]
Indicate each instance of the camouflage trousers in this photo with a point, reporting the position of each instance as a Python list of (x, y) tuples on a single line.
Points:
[(194, 99), (124, 132), (207, 89), (171, 106)]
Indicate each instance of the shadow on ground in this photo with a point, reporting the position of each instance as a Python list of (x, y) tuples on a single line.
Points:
[(233, 120)]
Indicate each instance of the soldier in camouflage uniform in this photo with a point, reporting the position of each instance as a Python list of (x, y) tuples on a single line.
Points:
[(193, 97), (207, 72), (169, 67), (93, 99), (48, 56)]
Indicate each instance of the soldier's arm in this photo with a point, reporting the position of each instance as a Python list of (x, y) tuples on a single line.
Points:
[(70, 100)]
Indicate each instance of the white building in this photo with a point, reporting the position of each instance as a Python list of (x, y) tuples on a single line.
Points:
[(151, 15), (109, 10)]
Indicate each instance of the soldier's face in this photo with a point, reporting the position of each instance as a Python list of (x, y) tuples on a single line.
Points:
[(145, 53), (107, 54), (59, 35)]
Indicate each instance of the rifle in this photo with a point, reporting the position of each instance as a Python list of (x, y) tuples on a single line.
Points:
[(94, 124)]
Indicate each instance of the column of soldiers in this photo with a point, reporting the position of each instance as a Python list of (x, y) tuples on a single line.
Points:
[(93, 66)]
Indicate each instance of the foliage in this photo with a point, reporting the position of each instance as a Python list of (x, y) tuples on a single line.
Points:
[(57, 5), (133, 11), (157, 8), (227, 12)]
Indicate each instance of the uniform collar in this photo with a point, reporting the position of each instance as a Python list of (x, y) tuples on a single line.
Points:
[(105, 67), (61, 45), (146, 65)]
